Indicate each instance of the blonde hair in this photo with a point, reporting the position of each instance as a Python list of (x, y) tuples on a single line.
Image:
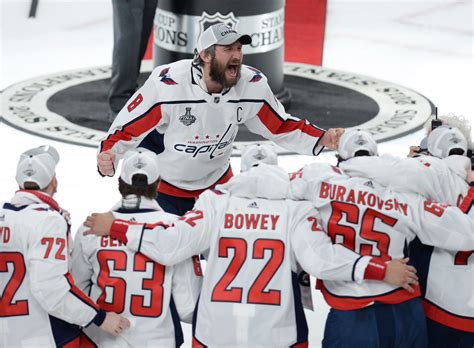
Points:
[(460, 122)]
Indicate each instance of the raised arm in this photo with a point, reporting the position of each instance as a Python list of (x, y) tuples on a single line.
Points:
[(141, 115), (272, 122)]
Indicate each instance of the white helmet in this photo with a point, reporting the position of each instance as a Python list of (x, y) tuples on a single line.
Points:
[(139, 161), (258, 153), (444, 139), (355, 140), (37, 165)]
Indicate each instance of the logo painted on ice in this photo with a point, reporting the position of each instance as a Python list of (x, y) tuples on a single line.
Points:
[(187, 119)]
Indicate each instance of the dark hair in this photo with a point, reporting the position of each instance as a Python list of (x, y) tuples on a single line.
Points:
[(139, 187), (32, 186), (210, 50), (359, 153), (456, 151)]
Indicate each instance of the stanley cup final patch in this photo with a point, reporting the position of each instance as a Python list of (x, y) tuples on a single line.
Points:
[(187, 119)]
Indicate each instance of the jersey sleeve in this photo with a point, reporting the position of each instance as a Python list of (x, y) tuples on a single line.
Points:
[(169, 245), (51, 283), (81, 268), (317, 255), (443, 226), (423, 175), (139, 116), (273, 123), (186, 287)]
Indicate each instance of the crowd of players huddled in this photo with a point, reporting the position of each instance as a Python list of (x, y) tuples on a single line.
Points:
[(389, 239)]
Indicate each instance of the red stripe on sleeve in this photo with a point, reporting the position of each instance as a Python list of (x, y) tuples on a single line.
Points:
[(135, 128), (376, 269), (151, 226), (118, 230), (78, 293), (468, 200), (276, 125), (197, 266)]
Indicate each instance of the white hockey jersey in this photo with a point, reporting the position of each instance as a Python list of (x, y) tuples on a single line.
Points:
[(255, 239), (195, 130), (152, 296), (40, 303), (442, 272), (373, 220)]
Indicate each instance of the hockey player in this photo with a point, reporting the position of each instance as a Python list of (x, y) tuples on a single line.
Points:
[(255, 239), (445, 276), (153, 297), (252, 156), (39, 305), (189, 113), (372, 219), (457, 121)]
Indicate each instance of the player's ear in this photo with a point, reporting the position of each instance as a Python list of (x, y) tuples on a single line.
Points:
[(206, 57)]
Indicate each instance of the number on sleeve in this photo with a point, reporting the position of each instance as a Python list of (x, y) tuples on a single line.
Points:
[(135, 103), (433, 208), (49, 242), (462, 258), (191, 216), (314, 224)]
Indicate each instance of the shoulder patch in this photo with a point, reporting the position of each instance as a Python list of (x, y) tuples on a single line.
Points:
[(165, 77), (257, 75)]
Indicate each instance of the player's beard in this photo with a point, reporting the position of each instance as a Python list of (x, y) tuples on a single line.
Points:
[(218, 73)]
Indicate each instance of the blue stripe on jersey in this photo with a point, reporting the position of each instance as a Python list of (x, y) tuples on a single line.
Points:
[(353, 269), (9, 206), (63, 332), (134, 211), (154, 141), (178, 331), (420, 257), (301, 324), (195, 314)]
